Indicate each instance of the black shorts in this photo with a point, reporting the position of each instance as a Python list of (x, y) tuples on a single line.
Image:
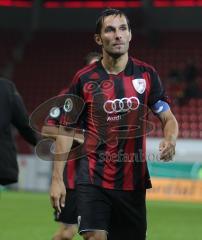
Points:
[(120, 213), (68, 214)]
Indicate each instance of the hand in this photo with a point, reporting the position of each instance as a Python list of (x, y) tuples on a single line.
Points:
[(57, 194), (167, 150)]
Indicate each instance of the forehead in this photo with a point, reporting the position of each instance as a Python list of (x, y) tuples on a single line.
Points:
[(114, 21)]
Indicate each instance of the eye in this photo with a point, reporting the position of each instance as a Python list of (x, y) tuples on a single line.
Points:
[(123, 28), (109, 29)]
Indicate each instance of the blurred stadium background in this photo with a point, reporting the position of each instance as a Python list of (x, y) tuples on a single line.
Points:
[(43, 43)]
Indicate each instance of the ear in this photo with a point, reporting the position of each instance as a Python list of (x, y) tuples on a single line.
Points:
[(98, 39)]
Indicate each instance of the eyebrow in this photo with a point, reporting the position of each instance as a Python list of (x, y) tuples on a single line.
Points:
[(122, 25)]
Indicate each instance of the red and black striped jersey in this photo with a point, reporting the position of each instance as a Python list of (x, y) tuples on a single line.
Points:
[(114, 118)]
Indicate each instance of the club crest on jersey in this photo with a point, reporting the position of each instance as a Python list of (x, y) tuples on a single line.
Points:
[(68, 105), (139, 84), (54, 112)]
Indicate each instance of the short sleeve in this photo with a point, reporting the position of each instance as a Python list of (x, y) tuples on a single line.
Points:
[(55, 113), (157, 91), (68, 106)]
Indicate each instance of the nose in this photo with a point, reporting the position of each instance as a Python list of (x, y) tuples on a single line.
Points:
[(118, 35)]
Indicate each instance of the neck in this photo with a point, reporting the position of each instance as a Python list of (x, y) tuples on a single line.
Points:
[(114, 65)]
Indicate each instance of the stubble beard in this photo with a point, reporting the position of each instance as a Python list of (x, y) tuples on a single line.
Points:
[(115, 55)]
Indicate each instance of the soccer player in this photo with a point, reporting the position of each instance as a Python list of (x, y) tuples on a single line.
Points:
[(112, 174), (68, 216)]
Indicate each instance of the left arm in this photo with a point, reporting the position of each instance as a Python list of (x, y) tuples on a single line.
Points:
[(20, 118), (170, 131)]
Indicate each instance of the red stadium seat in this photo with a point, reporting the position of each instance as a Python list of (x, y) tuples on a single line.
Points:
[(193, 118), (184, 117), (194, 134), (185, 134)]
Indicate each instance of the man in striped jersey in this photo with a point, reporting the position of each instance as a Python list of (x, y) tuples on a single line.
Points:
[(112, 171)]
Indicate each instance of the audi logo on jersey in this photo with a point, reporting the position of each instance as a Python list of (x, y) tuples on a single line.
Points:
[(121, 105)]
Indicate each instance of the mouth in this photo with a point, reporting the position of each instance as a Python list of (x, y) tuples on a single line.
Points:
[(118, 44)]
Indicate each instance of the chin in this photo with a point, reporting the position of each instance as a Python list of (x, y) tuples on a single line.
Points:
[(116, 54)]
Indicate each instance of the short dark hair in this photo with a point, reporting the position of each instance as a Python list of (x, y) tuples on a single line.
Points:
[(108, 12), (90, 56)]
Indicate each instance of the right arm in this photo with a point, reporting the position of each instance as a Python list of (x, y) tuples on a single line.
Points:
[(63, 146), (72, 109)]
